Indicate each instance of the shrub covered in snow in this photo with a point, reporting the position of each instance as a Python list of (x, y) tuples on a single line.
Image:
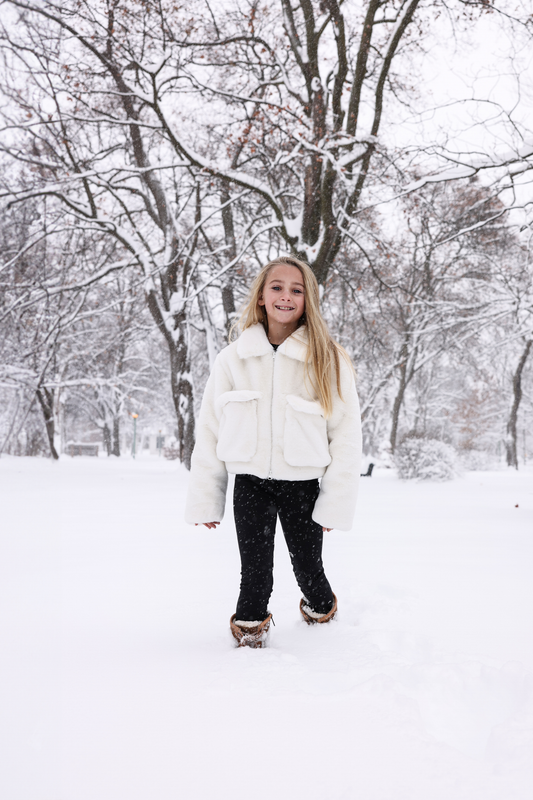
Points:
[(172, 450), (425, 459), (171, 453)]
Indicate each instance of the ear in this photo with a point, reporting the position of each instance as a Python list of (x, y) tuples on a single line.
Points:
[(261, 302)]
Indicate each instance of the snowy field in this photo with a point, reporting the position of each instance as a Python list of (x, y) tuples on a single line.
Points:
[(119, 680)]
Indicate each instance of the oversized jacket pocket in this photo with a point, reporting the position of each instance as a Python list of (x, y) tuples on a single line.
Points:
[(306, 438), (237, 432)]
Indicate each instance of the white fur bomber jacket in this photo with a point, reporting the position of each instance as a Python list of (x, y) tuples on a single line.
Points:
[(259, 416)]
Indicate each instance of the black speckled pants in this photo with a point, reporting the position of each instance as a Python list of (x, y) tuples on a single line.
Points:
[(256, 505)]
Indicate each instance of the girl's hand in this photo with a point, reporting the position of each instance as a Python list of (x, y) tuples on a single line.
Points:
[(327, 529), (207, 524)]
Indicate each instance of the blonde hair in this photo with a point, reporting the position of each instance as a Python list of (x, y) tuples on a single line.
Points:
[(322, 351)]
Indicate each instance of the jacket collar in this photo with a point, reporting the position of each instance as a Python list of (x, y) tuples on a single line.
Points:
[(254, 342)]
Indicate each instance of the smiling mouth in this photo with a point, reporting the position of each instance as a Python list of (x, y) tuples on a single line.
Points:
[(285, 308)]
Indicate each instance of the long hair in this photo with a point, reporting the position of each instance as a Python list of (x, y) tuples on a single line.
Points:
[(322, 362)]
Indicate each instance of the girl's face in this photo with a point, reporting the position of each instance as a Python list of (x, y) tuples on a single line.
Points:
[(283, 297)]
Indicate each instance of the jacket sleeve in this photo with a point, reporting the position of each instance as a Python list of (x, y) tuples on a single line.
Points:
[(335, 506), (206, 496)]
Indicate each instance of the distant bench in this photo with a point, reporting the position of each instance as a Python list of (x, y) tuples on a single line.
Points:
[(82, 449)]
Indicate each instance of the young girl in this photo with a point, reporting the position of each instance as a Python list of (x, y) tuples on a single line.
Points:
[(280, 411)]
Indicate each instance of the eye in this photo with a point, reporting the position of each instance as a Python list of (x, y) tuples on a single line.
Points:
[(298, 291)]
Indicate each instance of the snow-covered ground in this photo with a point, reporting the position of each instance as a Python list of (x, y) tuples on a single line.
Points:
[(119, 680)]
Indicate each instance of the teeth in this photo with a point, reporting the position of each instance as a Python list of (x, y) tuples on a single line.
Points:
[(285, 308)]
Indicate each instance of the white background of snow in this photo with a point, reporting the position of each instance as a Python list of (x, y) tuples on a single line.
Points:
[(119, 681)]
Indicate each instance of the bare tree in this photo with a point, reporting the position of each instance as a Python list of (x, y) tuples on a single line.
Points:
[(200, 138)]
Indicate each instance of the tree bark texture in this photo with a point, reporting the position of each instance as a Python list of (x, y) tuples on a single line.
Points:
[(116, 436), (398, 400), (107, 438), (228, 300), (511, 444), (46, 401)]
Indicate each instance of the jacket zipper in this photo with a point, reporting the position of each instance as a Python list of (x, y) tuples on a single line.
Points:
[(272, 415)]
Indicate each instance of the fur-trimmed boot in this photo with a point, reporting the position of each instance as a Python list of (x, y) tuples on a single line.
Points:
[(311, 617), (250, 634)]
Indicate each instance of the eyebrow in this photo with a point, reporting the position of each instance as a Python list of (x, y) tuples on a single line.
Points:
[(292, 283)]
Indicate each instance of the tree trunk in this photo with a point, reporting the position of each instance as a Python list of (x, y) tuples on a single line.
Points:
[(46, 401), (228, 300), (511, 445), (211, 339), (116, 436), (180, 374), (182, 391), (398, 400), (107, 438)]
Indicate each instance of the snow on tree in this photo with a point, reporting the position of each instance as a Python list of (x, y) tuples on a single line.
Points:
[(200, 140)]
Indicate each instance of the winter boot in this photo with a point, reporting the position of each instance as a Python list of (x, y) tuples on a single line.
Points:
[(250, 634), (311, 617)]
